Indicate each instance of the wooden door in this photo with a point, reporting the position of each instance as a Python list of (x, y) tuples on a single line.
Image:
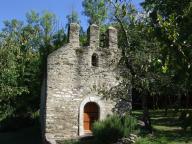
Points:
[(91, 114)]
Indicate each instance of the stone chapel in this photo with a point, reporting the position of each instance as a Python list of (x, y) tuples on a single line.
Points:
[(71, 100)]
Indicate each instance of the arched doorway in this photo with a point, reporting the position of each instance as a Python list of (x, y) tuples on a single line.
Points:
[(91, 114)]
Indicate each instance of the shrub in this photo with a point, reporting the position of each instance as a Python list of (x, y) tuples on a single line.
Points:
[(113, 128), (129, 125)]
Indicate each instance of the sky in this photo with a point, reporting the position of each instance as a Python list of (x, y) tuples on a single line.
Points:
[(17, 9)]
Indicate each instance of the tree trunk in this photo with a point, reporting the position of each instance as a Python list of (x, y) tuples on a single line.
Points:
[(165, 105), (178, 103), (146, 116), (187, 101)]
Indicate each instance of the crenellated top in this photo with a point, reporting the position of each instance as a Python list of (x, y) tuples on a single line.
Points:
[(74, 34), (93, 36), (112, 37)]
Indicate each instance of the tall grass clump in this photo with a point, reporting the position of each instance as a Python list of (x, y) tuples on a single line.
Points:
[(113, 128)]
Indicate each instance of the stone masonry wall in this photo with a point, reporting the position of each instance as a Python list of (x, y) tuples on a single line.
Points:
[(72, 81)]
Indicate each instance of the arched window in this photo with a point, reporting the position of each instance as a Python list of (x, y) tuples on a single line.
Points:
[(95, 60)]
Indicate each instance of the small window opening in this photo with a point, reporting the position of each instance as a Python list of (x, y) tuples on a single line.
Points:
[(95, 60)]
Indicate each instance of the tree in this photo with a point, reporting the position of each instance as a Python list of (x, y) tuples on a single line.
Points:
[(19, 59), (156, 48), (171, 21), (23, 52), (141, 54), (96, 10), (73, 18), (10, 69)]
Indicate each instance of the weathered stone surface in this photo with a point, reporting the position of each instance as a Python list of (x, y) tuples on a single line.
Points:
[(72, 81)]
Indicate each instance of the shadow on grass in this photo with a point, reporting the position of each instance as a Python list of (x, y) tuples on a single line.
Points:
[(23, 136), (167, 121), (83, 140), (174, 135), (167, 128)]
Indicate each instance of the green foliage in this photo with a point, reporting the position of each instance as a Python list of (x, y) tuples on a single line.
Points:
[(171, 22), (73, 18), (113, 128), (83, 38), (23, 52), (103, 38), (167, 128), (148, 140), (155, 48), (141, 51), (96, 10)]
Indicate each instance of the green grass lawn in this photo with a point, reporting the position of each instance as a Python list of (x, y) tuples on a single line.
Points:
[(24, 136), (167, 129)]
